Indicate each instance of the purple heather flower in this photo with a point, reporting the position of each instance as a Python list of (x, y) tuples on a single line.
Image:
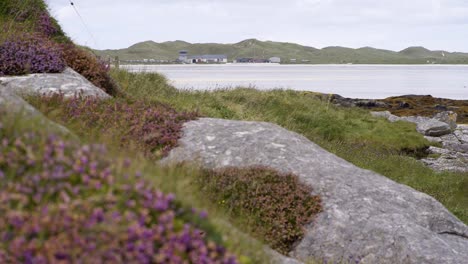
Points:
[(127, 163), (61, 256), (170, 197), (203, 214)]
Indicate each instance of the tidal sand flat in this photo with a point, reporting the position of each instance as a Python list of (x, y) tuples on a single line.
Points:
[(355, 81)]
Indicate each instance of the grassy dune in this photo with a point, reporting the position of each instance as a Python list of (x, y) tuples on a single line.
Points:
[(265, 49)]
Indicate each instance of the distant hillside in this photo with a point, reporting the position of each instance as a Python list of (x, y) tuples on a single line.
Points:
[(287, 51)]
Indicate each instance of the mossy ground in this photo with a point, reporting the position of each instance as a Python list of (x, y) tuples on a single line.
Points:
[(426, 106)]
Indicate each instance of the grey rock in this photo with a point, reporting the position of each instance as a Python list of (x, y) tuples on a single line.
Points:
[(11, 103), (277, 258), (447, 117), (394, 118), (424, 125), (461, 133), (454, 155), (448, 160), (450, 139), (415, 119), (352, 102), (457, 147), (364, 214), (383, 114), (386, 114), (69, 83), (434, 139), (428, 126), (436, 150), (433, 128)]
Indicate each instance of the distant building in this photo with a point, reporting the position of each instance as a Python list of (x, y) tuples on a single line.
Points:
[(251, 60), (210, 58), (244, 60), (275, 60), (183, 55)]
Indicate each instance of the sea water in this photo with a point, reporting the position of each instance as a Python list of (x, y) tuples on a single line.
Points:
[(356, 81)]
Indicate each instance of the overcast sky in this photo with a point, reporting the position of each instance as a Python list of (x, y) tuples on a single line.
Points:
[(388, 24)]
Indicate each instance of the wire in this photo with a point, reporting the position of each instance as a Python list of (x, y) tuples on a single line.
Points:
[(83, 22)]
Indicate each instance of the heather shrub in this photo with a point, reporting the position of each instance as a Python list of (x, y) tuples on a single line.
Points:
[(152, 128), (65, 203), (276, 205), (90, 67), (48, 26), (30, 53)]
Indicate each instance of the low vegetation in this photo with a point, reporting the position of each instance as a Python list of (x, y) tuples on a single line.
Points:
[(425, 105), (31, 41), (152, 129), (88, 65), (30, 53), (66, 202), (275, 207), (352, 134)]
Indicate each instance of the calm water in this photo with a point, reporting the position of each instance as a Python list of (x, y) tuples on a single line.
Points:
[(357, 81)]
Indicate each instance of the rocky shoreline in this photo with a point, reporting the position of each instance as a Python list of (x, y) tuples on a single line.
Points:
[(442, 121), (409, 105)]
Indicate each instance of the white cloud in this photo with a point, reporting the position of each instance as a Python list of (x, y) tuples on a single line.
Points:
[(392, 24)]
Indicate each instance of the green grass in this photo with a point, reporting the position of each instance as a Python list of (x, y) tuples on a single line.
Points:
[(352, 134)]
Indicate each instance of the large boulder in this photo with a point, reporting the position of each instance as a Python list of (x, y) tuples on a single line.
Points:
[(433, 128), (70, 83), (364, 214)]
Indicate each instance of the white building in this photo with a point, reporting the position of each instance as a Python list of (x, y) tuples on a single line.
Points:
[(275, 60), (183, 55), (209, 58), (215, 58)]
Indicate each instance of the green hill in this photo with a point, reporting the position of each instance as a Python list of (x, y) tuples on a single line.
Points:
[(286, 51)]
